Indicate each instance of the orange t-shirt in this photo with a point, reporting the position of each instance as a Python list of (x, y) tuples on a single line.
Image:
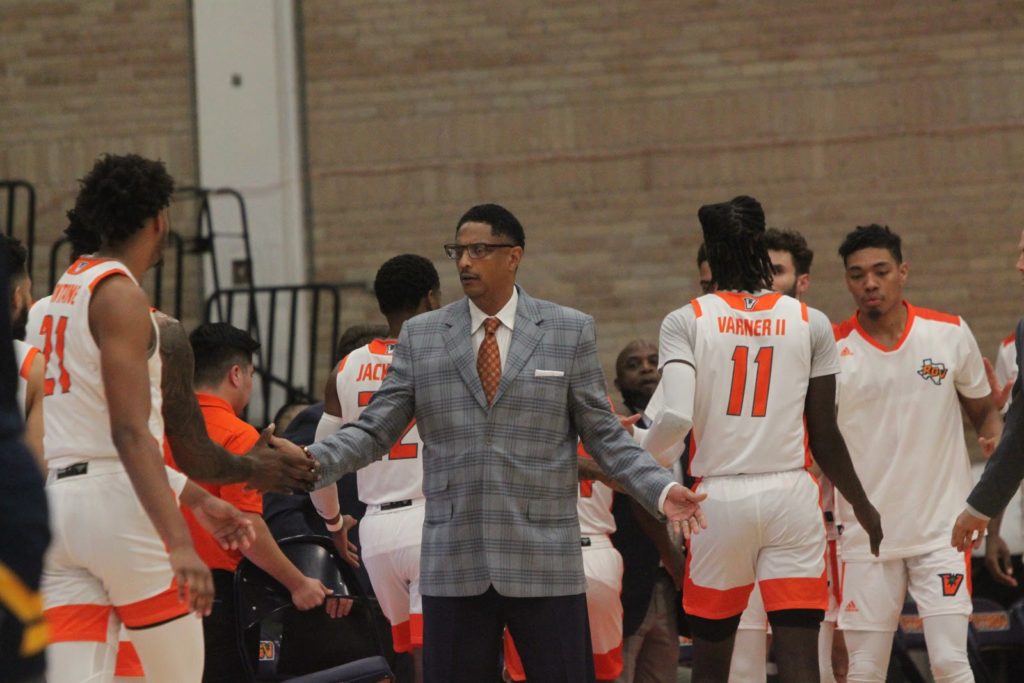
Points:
[(236, 436)]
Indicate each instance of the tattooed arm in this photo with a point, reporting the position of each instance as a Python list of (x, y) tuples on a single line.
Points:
[(263, 467)]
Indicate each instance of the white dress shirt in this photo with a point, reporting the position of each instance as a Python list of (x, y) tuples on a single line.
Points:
[(507, 317)]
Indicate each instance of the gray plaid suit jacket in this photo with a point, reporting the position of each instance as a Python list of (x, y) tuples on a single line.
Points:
[(500, 481)]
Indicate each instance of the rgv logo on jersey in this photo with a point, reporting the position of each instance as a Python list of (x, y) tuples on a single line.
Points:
[(930, 370)]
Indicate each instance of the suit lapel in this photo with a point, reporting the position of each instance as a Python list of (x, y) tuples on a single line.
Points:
[(525, 337), (460, 347)]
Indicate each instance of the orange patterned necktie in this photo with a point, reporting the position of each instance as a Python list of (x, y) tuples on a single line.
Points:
[(488, 360)]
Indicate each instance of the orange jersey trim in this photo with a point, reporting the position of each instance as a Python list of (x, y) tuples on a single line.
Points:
[(104, 276), (84, 263), (938, 316), (26, 365), (157, 609), (795, 593), (853, 323), (697, 310), (379, 347), (764, 302), (128, 663), (1009, 339), (803, 311), (78, 623), (408, 635)]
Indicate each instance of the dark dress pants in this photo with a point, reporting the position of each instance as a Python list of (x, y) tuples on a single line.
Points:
[(462, 638)]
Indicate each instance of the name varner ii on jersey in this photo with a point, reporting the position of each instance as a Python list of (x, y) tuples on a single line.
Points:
[(752, 355)]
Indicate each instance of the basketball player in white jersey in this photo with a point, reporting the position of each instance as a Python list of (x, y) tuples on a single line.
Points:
[(744, 367), (129, 559), (27, 356), (906, 371), (791, 275), (391, 488)]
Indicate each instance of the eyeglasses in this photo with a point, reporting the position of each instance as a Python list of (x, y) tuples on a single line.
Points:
[(478, 250)]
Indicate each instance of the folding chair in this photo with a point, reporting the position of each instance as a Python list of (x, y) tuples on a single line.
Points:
[(307, 647), (995, 631)]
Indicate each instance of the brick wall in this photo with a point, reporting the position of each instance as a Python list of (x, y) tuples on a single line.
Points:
[(604, 125), (85, 77)]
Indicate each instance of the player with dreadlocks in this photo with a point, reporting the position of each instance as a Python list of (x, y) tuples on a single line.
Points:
[(743, 366)]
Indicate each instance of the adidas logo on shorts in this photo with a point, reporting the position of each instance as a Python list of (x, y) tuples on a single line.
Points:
[(851, 607)]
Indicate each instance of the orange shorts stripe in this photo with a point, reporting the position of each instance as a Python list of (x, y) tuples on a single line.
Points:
[(128, 663), (513, 664), (795, 593), (77, 623), (608, 665), (713, 603), (154, 610), (408, 635), (837, 583)]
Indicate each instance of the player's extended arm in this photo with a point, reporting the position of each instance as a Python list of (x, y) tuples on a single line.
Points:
[(120, 324), (379, 426), (34, 410), (263, 468), (988, 423), (830, 452), (325, 499), (672, 416), (306, 592)]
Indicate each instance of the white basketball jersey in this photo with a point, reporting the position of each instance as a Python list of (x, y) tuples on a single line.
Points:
[(399, 475), (899, 413), (24, 354), (75, 415), (754, 355), (594, 505), (33, 334), (1006, 364)]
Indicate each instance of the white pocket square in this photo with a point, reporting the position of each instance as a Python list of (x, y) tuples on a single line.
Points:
[(548, 373)]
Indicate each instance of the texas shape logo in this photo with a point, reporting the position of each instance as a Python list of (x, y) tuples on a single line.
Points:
[(931, 370)]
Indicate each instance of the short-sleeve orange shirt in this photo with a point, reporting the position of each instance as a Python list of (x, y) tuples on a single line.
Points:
[(236, 436)]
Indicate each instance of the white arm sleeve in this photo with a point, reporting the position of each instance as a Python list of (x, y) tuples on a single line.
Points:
[(325, 499), (671, 413)]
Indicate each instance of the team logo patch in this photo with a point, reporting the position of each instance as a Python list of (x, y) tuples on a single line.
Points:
[(951, 583), (267, 650), (931, 370), (391, 348), (749, 303)]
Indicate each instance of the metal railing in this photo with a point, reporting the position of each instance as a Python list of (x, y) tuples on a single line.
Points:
[(60, 259), (297, 327), (10, 190)]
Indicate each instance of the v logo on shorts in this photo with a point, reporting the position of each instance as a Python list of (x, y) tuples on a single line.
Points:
[(951, 583)]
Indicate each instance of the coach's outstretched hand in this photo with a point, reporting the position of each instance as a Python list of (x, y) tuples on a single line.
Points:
[(871, 522), (968, 531), (279, 465), (682, 507)]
